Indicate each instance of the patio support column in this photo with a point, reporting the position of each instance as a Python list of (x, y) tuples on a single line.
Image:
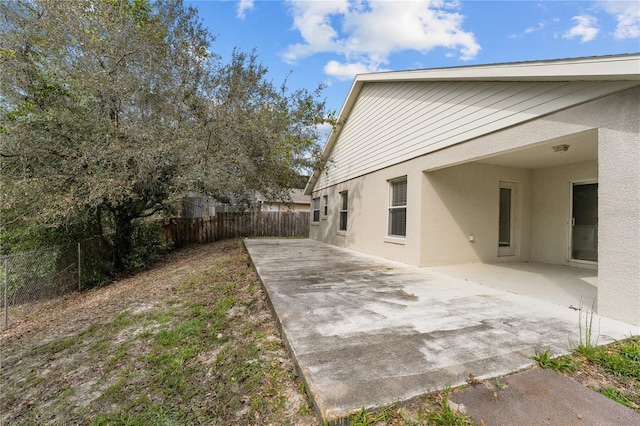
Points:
[(619, 216)]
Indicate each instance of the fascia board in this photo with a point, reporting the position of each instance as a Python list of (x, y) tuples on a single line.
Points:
[(609, 68)]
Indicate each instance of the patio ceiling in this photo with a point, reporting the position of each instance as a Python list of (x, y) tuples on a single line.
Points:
[(582, 147)]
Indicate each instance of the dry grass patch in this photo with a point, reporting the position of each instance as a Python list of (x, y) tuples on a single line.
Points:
[(189, 342)]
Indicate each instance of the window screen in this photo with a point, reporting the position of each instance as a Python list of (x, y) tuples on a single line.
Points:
[(344, 205), (316, 209), (398, 208)]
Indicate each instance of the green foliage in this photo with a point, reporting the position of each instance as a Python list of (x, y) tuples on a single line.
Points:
[(587, 342), (446, 415), (148, 245), (619, 397), (116, 109), (367, 418), (622, 358), (545, 359), (360, 418)]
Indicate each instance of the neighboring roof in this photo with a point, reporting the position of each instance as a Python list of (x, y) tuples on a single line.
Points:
[(602, 68), (297, 197)]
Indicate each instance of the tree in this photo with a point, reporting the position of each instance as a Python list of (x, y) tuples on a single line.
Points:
[(111, 110)]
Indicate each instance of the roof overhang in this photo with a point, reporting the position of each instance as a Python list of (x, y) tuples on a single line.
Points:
[(597, 68)]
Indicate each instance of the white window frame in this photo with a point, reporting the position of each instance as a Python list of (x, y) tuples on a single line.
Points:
[(393, 207), (344, 210), (315, 211), (325, 206)]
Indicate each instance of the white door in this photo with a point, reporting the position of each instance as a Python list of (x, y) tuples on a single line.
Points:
[(507, 219)]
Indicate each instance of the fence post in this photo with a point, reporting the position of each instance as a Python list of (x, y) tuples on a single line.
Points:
[(6, 291), (79, 269)]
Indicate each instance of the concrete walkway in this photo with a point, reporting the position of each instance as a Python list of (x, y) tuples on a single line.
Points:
[(367, 332)]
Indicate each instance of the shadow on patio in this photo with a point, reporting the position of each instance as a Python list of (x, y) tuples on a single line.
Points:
[(565, 285)]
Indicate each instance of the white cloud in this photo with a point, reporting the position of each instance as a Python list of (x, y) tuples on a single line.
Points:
[(541, 25), (243, 6), (324, 130), (367, 32), (627, 13), (346, 71), (586, 28)]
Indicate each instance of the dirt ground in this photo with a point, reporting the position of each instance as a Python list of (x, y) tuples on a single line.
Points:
[(63, 364), (91, 357)]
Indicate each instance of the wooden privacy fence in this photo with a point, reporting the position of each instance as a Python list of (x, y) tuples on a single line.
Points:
[(184, 231)]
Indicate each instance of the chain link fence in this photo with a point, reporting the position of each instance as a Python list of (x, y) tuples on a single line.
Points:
[(30, 280)]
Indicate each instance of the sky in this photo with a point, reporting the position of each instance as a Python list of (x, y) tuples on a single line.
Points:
[(313, 42)]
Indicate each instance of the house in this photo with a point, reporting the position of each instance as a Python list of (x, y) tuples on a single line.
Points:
[(532, 161), (196, 205), (300, 202)]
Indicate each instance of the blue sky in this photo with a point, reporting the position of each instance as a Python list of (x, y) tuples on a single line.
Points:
[(329, 42)]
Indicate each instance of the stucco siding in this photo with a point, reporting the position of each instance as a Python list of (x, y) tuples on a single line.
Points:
[(368, 217), (619, 213), (462, 201), (416, 118), (551, 209)]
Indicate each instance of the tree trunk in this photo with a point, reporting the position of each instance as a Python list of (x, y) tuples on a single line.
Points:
[(123, 240)]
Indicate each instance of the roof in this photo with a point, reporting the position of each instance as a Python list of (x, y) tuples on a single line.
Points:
[(600, 68), (297, 197)]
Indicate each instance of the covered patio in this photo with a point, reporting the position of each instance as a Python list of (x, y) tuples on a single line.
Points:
[(523, 220)]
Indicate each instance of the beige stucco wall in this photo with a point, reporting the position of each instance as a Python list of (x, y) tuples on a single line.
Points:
[(462, 201), (619, 210), (452, 196), (551, 209), (367, 224)]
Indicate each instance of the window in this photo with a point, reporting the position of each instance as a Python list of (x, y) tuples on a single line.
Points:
[(325, 207), (316, 209), (398, 208), (344, 204)]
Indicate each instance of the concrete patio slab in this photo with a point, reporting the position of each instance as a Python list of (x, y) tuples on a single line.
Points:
[(365, 332), (565, 285), (532, 398)]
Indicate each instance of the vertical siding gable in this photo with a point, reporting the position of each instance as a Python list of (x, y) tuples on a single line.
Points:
[(395, 122)]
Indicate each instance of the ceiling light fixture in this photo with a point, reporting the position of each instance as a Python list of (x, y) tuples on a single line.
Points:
[(561, 148)]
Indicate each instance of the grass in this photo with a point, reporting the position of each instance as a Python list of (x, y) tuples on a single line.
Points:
[(545, 359), (587, 340), (204, 350), (378, 416), (621, 359), (618, 363), (446, 415), (429, 410)]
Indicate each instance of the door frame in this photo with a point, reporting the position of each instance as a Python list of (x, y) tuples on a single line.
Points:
[(512, 250), (577, 262)]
